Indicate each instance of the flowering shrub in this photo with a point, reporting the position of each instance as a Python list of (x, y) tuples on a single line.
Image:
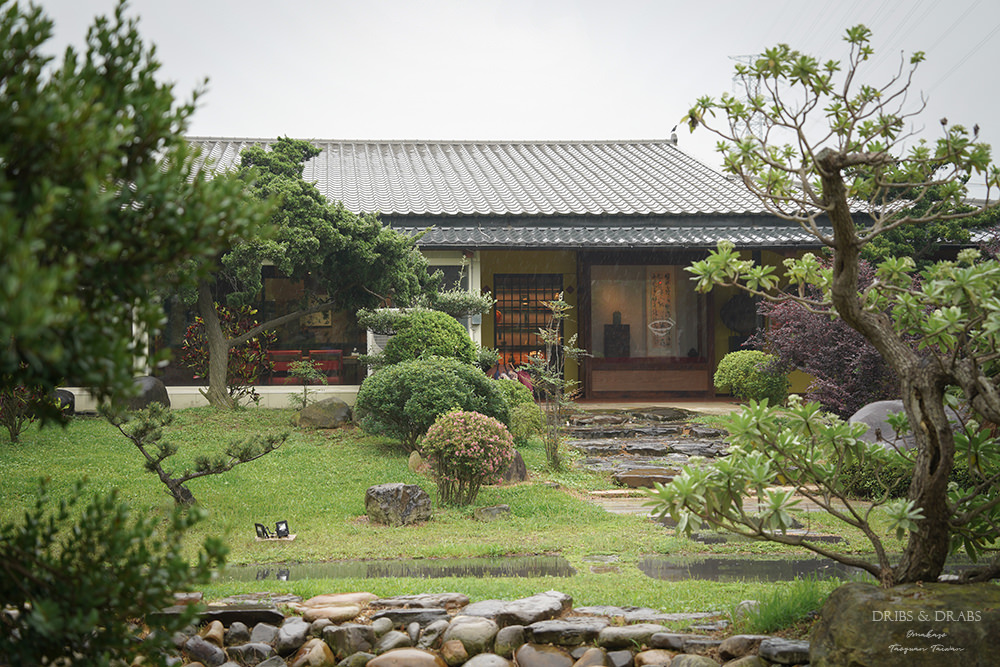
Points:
[(466, 450)]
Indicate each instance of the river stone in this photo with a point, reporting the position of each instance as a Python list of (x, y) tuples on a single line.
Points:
[(292, 634), (335, 614), (540, 607), (930, 624), (507, 640), (431, 636), (453, 652), (488, 660), (356, 660), (327, 413), (737, 646), (65, 400), (542, 655), (655, 657), (340, 599), (628, 636), (403, 617), (392, 640), (250, 653), (413, 630), (407, 657), (784, 651), (567, 632), (201, 650), (348, 639), (693, 661), (475, 632), (264, 633), (237, 634), (314, 653), (593, 657), (397, 504), (620, 658), (214, 632), (671, 640), (381, 625), (748, 661), (148, 390), (449, 601)]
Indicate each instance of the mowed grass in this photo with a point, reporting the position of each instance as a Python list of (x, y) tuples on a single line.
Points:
[(317, 481)]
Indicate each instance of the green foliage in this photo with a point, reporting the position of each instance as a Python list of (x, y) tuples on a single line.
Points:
[(466, 450), (784, 606), (306, 372), (247, 363), (547, 375), (749, 375), (78, 578), (848, 183), (145, 430), (403, 400), (101, 202), (526, 421), (514, 393), (486, 357), (429, 333)]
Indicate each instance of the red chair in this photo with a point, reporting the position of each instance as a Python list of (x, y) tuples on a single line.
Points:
[(330, 363), (280, 362)]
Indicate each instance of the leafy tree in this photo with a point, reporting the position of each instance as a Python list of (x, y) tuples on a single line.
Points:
[(938, 335), (144, 428), (100, 201), (345, 261), (246, 363), (847, 370)]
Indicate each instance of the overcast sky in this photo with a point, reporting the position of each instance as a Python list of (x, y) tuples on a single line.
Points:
[(527, 69)]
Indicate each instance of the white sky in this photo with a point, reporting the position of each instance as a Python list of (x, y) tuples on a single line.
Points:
[(527, 69)]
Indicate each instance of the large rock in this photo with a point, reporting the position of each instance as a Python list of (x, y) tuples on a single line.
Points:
[(407, 657), (517, 471), (148, 390), (475, 632), (397, 504), (328, 413), (914, 625), (876, 417)]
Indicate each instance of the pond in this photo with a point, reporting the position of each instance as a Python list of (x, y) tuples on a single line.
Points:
[(419, 568)]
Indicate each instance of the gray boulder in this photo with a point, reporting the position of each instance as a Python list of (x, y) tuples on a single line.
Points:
[(148, 390), (397, 504), (876, 417), (912, 624), (328, 413)]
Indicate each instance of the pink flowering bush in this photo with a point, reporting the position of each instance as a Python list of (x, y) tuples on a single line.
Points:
[(466, 450)]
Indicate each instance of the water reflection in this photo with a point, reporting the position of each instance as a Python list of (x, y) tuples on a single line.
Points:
[(432, 568), (740, 568)]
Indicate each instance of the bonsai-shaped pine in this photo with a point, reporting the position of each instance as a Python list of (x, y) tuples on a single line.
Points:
[(306, 372), (860, 177), (144, 428), (548, 375)]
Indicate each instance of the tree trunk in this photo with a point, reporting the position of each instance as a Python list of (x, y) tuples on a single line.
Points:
[(922, 382), (218, 351)]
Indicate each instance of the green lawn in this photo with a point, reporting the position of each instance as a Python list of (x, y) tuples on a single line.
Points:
[(317, 481)]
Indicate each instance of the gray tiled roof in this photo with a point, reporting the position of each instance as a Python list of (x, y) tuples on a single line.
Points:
[(504, 178), (611, 237)]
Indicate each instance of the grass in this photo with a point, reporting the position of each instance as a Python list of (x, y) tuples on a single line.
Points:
[(317, 481)]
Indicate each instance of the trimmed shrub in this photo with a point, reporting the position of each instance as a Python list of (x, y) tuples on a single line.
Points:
[(429, 333), (466, 450), (403, 400), (748, 374), (526, 420), (514, 393)]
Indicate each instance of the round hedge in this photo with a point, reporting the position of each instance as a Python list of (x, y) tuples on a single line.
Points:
[(403, 400), (746, 374), (429, 333)]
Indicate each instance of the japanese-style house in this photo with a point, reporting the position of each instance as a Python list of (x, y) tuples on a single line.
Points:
[(609, 224)]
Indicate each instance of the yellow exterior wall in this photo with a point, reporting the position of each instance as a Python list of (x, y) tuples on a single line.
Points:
[(534, 261)]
